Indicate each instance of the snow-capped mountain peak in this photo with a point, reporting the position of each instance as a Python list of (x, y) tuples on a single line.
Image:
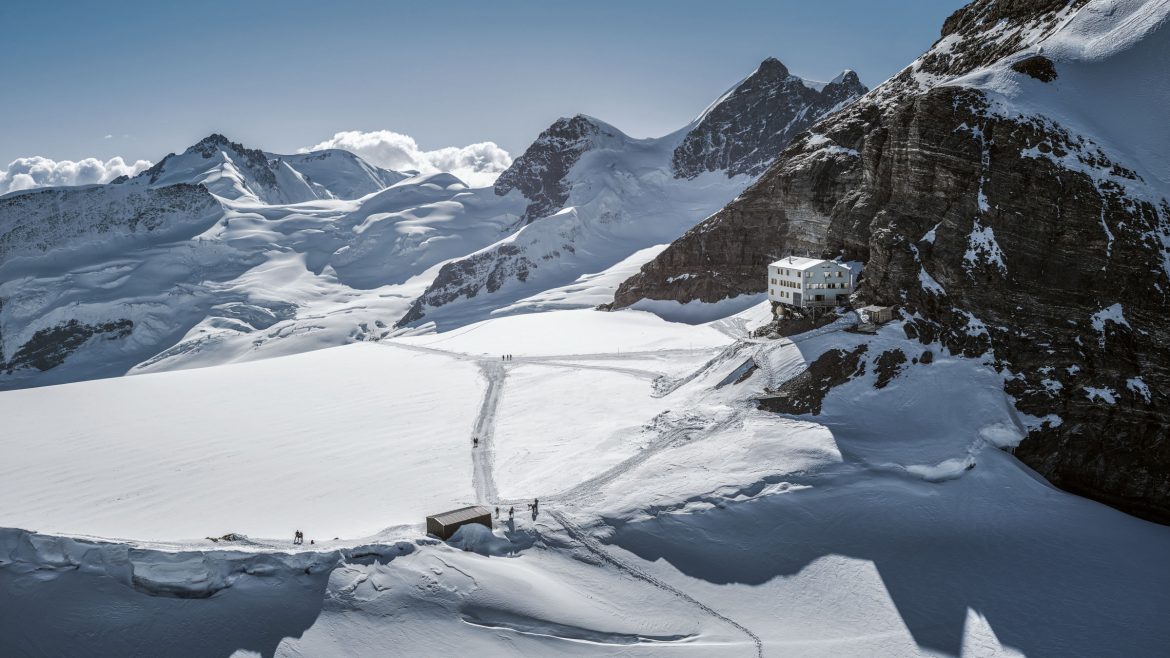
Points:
[(235, 172)]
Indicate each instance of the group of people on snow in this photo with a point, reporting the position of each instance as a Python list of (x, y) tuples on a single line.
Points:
[(533, 507), (505, 357)]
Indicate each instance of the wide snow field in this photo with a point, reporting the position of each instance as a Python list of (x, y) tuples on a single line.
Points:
[(572, 332), (558, 426), (342, 442)]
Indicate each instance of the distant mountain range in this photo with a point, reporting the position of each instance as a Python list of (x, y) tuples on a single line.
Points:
[(225, 252)]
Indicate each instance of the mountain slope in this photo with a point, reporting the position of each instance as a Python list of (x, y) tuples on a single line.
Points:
[(189, 265), (595, 195), (1009, 189)]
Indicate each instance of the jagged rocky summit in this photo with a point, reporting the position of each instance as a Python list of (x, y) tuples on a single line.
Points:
[(744, 130)]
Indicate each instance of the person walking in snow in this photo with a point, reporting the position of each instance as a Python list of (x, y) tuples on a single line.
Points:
[(497, 511), (511, 513)]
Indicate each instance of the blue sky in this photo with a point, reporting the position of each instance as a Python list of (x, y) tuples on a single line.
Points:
[(279, 75)]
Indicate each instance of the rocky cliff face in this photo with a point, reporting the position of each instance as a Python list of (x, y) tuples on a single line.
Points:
[(745, 130), (539, 174), (37, 222), (985, 207)]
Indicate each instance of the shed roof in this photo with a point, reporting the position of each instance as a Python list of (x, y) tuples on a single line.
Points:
[(461, 514), (798, 263)]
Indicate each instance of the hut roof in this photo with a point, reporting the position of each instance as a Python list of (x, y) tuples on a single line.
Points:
[(461, 514)]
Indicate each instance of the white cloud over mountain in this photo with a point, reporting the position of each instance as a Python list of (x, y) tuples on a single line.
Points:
[(37, 171), (476, 164)]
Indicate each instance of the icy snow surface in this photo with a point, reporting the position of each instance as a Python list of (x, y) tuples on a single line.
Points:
[(675, 518)]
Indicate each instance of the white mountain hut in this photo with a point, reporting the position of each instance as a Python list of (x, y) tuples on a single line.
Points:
[(806, 283)]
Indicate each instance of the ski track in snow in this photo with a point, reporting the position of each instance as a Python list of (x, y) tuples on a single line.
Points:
[(593, 546), (483, 455)]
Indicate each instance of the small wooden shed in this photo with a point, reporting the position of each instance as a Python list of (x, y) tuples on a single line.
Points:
[(444, 525), (877, 314)]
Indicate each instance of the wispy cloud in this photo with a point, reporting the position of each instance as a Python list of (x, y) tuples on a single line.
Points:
[(476, 164), (37, 171)]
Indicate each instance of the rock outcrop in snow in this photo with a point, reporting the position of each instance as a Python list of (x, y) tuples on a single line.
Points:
[(1002, 210)]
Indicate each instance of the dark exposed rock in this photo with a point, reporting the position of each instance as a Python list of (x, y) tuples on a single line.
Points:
[(1030, 256), (461, 278), (804, 393), (980, 38), (887, 366), (792, 325), (927, 357), (48, 348), (539, 174), (39, 221), (157, 169), (751, 125), (254, 160), (1037, 66)]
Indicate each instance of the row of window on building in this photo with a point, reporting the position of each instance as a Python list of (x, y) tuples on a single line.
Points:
[(787, 284), (795, 284), (808, 275)]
